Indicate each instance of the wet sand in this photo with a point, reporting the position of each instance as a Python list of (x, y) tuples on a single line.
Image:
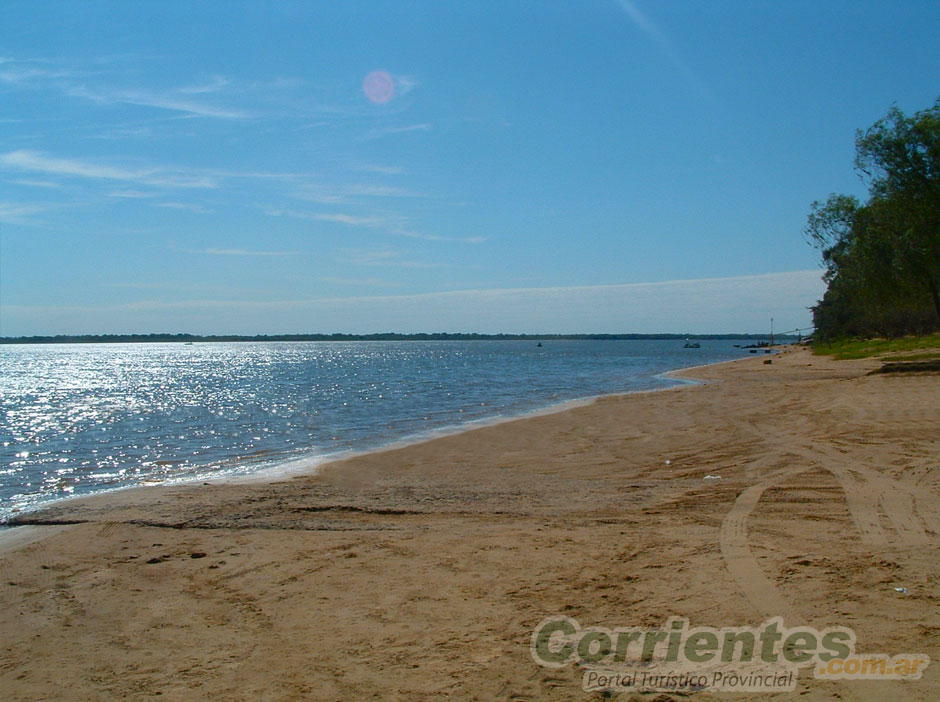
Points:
[(420, 572)]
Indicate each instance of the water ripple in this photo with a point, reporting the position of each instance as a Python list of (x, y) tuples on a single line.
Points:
[(79, 418)]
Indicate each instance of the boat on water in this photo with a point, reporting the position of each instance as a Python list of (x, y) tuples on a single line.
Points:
[(692, 344)]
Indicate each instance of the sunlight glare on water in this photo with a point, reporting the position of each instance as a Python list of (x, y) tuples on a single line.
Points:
[(78, 418)]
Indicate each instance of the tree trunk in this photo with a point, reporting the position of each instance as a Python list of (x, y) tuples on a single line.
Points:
[(934, 289), (936, 300)]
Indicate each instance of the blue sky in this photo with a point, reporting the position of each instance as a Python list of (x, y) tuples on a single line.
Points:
[(608, 166)]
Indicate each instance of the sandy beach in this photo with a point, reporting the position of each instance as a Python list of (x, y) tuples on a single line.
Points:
[(420, 573)]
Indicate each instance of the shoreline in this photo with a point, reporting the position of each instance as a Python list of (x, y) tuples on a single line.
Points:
[(310, 464), (283, 471), (421, 571)]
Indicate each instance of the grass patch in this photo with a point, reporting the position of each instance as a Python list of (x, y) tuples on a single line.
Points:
[(844, 349)]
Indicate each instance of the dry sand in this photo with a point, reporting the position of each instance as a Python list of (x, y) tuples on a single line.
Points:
[(420, 573)]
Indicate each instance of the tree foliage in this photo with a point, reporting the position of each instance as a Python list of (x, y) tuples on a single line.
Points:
[(882, 258)]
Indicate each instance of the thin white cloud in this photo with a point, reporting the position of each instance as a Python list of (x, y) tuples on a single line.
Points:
[(374, 282), (177, 286), (411, 234), (38, 162), (734, 304), (380, 169), (382, 257), (35, 161), (26, 73), (18, 212), (104, 81), (344, 194), (352, 220), (28, 182), (211, 85), (322, 195), (645, 25), (405, 84), (403, 230), (132, 194), (239, 252), (123, 133), (63, 77), (186, 206), (379, 132), (188, 107), (157, 100), (339, 217), (369, 190), (389, 224), (254, 175)]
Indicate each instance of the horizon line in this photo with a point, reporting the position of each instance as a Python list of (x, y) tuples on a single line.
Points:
[(158, 337)]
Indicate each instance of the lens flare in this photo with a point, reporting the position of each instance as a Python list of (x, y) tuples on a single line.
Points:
[(379, 87)]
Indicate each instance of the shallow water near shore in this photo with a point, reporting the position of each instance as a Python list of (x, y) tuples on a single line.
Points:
[(81, 418)]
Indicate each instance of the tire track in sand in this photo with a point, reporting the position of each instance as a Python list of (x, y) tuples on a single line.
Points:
[(739, 559), (863, 500), (910, 511), (763, 594), (759, 590)]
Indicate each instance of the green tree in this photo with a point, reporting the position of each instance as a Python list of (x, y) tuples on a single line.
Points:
[(900, 156), (882, 258)]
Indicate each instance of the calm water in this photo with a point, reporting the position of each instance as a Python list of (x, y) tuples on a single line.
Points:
[(81, 418)]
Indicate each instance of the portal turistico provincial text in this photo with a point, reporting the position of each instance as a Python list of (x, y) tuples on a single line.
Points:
[(678, 657)]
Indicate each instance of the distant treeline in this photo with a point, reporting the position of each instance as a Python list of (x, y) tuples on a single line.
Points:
[(882, 258), (439, 336)]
